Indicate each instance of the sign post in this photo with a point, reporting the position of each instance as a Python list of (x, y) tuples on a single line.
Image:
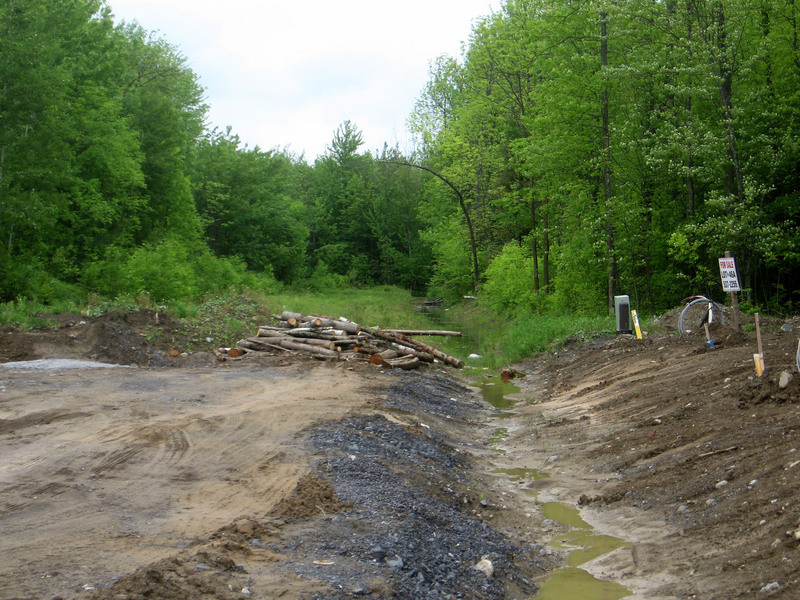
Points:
[(730, 283)]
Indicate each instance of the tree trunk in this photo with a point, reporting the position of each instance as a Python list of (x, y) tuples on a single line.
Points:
[(462, 203), (612, 259), (534, 242)]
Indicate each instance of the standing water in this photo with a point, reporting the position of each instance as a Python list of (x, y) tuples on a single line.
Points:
[(583, 544)]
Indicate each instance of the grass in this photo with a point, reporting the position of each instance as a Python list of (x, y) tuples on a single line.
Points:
[(503, 341)]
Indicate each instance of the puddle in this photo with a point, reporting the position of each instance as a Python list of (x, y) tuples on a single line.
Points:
[(503, 415), (498, 435), (589, 546), (495, 392), (584, 545), (566, 515), (518, 473), (571, 583)]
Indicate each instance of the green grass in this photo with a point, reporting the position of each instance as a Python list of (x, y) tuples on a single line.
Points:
[(503, 341)]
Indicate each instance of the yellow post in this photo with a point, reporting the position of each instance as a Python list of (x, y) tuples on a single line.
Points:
[(636, 325)]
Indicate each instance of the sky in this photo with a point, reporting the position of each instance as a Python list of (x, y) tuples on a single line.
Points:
[(285, 75)]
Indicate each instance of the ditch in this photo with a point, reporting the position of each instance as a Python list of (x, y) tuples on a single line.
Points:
[(572, 537)]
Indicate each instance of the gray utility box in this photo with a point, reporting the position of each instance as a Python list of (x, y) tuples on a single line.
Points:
[(622, 308)]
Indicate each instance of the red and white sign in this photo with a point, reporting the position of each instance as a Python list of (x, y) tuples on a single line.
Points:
[(727, 270)]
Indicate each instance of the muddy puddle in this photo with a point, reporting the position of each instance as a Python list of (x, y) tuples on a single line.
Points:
[(575, 538)]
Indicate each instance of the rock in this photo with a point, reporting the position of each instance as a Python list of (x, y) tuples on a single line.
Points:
[(553, 459), (784, 380), (377, 553), (394, 562), (770, 587), (246, 527), (485, 566), (721, 484)]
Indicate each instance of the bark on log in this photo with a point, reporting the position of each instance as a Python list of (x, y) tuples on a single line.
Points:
[(424, 332), (347, 326), (366, 349), (405, 363), (271, 332), (299, 319), (259, 346), (316, 344), (308, 348), (417, 345)]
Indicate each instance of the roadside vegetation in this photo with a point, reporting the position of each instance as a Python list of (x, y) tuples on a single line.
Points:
[(492, 341)]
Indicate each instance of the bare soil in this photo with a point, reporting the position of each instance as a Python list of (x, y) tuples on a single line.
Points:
[(284, 477)]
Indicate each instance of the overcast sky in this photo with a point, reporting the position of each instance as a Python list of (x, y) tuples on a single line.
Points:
[(286, 74)]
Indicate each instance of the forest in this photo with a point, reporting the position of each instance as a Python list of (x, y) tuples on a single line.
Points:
[(576, 150)]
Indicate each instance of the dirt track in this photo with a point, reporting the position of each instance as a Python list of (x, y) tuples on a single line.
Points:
[(283, 478)]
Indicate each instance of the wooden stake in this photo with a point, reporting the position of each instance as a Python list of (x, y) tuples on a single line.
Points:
[(759, 358)]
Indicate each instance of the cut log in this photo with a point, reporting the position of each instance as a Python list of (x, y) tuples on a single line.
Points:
[(320, 334), (307, 348), (366, 349), (417, 345), (424, 332), (406, 363), (279, 341), (271, 332), (347, 326), (296, 319), (259, 346)]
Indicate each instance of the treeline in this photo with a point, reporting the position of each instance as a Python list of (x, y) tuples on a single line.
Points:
[(576, 151), (111, 183), (622, 147)]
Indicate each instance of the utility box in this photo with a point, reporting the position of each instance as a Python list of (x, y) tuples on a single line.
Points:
[(622, 307)]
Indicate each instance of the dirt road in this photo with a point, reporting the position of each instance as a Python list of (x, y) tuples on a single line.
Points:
[(292, 478)]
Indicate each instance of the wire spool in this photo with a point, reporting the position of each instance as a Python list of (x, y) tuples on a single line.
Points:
[(693, 309)]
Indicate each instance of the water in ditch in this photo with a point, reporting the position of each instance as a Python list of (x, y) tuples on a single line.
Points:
[(580, 541), (583, 545)]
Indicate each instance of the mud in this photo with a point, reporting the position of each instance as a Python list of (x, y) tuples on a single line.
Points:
[(283, 477)]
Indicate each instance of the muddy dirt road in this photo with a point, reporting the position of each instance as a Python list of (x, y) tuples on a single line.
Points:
[(291, 478)]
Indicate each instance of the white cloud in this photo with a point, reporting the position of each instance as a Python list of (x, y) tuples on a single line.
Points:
[(289, 73)]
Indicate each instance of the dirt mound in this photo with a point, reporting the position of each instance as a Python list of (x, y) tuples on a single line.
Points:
[(142, 337), (674, 429)]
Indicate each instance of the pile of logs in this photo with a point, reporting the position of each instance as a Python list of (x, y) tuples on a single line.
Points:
[(342, 339)]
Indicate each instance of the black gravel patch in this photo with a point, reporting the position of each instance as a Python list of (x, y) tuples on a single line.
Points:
[(414, 530), (433, 394)]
